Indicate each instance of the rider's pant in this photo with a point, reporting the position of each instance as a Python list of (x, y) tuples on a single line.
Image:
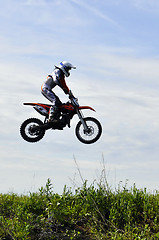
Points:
[(50, 95)]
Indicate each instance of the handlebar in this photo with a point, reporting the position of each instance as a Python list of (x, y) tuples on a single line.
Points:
[(73, 99)]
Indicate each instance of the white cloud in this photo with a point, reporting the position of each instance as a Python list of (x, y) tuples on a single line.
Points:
[(147, 5), (96, 12), (35, 2)]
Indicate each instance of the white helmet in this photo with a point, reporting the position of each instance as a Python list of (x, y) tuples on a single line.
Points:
[(66, 67)]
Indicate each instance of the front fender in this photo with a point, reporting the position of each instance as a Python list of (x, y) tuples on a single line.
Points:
[(86, 107)]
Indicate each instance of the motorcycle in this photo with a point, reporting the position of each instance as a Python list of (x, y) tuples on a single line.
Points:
[(88, 130)]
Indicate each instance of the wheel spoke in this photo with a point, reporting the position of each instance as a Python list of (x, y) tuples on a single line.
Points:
[(29, 130), (93, 132)]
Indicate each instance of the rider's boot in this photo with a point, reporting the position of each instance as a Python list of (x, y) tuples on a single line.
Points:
[(54, 117), (53, 114)]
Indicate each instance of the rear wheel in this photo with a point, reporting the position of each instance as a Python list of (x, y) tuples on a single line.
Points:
[(30, 130), (92, 134)]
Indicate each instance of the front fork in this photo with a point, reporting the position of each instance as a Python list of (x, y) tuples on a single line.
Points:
[(81, 117)]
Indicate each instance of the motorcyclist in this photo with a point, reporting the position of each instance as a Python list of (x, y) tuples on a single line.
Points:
[(57, 77)]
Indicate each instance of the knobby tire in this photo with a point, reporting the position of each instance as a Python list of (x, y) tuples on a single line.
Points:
[(23, 129), (85, 138)]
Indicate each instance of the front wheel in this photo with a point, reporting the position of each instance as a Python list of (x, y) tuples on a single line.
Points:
[(30, 130), (92, 134)]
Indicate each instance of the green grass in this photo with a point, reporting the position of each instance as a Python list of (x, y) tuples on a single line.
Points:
[(88, 212)]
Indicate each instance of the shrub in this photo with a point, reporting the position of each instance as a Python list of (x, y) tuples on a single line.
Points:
[(88, 213)]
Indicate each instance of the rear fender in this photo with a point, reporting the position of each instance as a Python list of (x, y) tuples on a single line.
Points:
[(86, 107), (43, 109), (38, 104)]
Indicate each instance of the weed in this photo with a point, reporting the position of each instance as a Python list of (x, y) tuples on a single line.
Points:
[(88, 213)]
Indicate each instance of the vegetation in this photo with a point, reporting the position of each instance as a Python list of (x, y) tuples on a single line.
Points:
[(88, 212)]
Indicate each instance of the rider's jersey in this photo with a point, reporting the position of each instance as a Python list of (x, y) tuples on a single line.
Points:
[(56, 78)]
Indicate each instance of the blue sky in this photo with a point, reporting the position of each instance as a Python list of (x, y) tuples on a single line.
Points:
[(114, 45)]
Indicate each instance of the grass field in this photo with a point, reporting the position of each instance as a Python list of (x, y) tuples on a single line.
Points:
[(88, 212)]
